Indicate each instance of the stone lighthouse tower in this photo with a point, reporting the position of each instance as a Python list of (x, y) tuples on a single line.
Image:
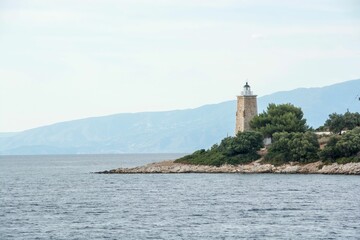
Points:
[(246, 109)]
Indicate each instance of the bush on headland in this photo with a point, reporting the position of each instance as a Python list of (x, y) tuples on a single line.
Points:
[(343, 148), (240, 149), (279, 118), (292, 140), (336, 123), (293, 147)]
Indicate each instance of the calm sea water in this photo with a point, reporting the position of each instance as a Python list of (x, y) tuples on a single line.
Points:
[(56, 197)]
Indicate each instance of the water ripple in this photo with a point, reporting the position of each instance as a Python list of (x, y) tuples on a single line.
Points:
[(55, 197)]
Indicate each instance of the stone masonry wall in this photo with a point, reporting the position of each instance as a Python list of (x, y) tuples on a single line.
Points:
[(246, 110)]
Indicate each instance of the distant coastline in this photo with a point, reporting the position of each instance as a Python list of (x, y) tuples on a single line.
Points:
[(170, 167)]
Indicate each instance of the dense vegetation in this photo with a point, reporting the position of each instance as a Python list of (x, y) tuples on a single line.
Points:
[(343, 148), (339, 122), (240, 149), (279, 118), (292, 140), (293, 147)]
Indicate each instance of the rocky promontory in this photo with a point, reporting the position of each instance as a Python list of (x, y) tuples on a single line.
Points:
[(254, 167)]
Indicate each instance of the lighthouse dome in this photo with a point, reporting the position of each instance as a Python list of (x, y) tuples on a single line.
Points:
[(247, 90)]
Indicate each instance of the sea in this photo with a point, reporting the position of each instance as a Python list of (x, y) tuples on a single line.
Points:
[(59, 197)]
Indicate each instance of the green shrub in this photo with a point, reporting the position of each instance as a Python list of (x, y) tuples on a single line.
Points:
[(338, 122), (240, 149), (279, 118), (293, 147), (344, 148)]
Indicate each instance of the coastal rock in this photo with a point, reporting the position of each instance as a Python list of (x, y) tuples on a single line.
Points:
[(254, 167), (288, 169), (348, 168), (311, 167)]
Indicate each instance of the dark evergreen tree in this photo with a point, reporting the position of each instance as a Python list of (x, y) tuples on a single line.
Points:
[(297, 147), (279, 118), (345, 146), (339, 122), (240, 149)]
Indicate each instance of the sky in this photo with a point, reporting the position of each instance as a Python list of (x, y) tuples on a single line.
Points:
[(68, 59)]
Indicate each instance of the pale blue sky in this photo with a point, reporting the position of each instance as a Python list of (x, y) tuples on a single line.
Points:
[(69, 59)]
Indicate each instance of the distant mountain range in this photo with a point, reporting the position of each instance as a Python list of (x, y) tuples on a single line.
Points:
[(178, 131)]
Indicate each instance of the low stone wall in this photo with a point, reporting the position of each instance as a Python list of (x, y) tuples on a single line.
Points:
[(254, 167)]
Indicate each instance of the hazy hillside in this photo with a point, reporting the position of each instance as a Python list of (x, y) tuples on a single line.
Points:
[(172, 131), (318, 103)]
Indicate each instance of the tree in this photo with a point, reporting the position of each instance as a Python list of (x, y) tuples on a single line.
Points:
[(279, 118), (339, 122), (299, 147), (242, 143), (344, 146), (248, 142), (240, 149)]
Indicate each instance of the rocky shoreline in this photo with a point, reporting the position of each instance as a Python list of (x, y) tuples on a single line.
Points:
[(168, 167)]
